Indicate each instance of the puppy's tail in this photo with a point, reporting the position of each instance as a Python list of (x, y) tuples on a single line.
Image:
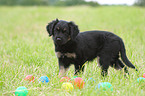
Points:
[(124, 57)]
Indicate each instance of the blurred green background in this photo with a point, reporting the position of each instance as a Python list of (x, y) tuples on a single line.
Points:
[(62, 2)]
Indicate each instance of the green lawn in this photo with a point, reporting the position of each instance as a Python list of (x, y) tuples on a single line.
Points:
[(26, 48)]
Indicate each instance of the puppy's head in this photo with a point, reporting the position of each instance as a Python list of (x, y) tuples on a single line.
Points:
[(62, 31)]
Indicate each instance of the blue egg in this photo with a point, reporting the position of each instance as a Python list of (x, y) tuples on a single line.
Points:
[(141, 79), (104, 86), (43, 79)]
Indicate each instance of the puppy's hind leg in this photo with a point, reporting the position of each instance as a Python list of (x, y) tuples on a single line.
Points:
[(120, 65)]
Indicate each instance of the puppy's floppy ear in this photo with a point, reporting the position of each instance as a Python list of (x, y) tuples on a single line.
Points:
[(73, 30), (50, 26)]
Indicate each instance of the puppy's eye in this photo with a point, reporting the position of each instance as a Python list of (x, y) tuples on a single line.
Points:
[(64, 30), (57, 28)]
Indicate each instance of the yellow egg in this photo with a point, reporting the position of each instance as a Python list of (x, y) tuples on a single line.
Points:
[(67, 86)]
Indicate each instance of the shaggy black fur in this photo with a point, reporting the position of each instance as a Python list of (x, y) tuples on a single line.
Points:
[(76, 48)]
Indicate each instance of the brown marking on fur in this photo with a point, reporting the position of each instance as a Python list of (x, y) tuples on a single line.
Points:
[(58, 54), (58, 28), (69, 38), (64, 29), (98, 63), (69, 55)]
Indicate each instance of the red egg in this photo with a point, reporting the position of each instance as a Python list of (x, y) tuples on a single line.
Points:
[(29, 78), (144, 75), (78, 83), (65, 79)]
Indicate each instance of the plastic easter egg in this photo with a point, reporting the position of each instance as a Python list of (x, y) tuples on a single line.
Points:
[(29, 78), (144, 75), (65, 79), (105, 86), (140, 79), (67, 86), (21, 91), (43, 79), (78, 83)]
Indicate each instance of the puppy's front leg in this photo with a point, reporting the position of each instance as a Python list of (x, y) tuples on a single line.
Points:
[(62, 69)]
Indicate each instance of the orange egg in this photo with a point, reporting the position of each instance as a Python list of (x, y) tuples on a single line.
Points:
[(78, 83), (65, 79)]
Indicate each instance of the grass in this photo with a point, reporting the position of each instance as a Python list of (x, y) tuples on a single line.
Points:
[(25, 48)]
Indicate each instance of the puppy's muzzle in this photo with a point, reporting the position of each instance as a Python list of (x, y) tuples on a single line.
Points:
[(58, 40)]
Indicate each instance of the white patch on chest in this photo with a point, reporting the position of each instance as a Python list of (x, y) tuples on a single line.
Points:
[(68, 55)]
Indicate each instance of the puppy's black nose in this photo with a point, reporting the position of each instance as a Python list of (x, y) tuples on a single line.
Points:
[(58, 39)]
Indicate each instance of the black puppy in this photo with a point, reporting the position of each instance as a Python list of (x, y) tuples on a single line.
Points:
[(76, 48)]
